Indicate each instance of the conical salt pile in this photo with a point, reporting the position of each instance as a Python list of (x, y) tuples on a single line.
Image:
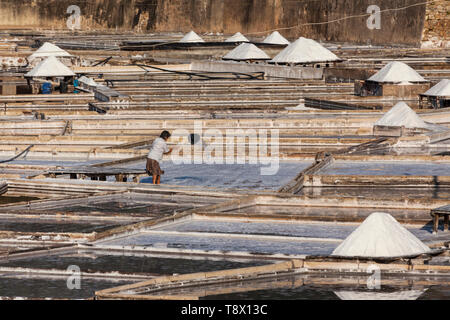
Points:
[(442, 89), (246, 51), (305, 51), (380, 235), (401, 115), (276, 38), (237, 37), (397, 72), (50, 67), (191, 37), (49, 49)]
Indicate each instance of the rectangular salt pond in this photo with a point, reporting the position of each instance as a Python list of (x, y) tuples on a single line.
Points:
[(386, 168), (128, 262), (332, 213), (125, 205), (30, 287), (296, 289), (255, 238), (322, 230), (239, 176), (55, 225), (315, 287), (379, 193)]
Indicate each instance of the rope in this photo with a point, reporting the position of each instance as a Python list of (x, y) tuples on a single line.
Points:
[(19, 155)]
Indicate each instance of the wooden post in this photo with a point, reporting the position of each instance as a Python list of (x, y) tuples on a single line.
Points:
[(436, 223)]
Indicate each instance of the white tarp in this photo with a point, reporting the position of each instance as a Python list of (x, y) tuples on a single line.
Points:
[(88, 81)]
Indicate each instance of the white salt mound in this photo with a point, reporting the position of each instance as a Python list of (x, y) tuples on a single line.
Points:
[(442, 89), (50, 67), (402, 115), (380, 235), (397, 72), (246, 51), (49, 49), (305, 51), (368, 295), (237, 37), (191, 37), (276, 38)]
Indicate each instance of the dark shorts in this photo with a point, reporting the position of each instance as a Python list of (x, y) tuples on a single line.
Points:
[(153, 168)]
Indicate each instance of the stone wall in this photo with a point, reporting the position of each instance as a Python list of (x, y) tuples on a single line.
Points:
[(436, 32), (321, 20)]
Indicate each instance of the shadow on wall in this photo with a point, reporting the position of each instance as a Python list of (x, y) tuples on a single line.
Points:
[(403, 26)]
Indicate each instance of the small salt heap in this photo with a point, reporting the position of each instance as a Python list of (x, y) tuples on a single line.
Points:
[(305, 51), (191, 37), (397, 72), (276, 38), (237, 37), (401, 115), (380, 235), (246, 51)]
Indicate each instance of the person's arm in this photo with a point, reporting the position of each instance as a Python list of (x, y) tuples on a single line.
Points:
[(167, 150)]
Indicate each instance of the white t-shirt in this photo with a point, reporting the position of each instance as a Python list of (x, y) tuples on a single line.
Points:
[(159, 147)]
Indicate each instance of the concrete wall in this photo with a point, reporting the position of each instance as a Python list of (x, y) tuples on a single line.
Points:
[(269, 70), (256, 17)]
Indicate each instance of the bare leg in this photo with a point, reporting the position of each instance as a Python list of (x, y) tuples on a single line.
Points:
[(158, 180), (154, 178)]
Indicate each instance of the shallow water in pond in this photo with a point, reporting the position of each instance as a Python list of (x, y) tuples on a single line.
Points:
[(89, 261), (32, 288), (315, 293), (37, 225)]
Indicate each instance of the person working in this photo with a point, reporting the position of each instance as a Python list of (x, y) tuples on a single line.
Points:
[(159, 148)]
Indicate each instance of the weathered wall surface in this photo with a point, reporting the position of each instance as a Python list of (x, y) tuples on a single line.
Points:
[(436, 32), (254, 17)]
